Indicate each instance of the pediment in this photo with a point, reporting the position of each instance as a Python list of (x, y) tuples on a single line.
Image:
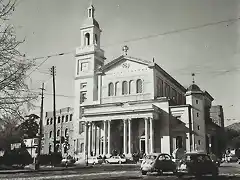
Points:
[(126, 64)]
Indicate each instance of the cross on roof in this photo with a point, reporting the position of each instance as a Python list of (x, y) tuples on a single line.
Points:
[(193, 75), (125, 49)]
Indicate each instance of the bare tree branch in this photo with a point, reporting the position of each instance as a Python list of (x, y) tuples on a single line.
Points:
[(13, 68)]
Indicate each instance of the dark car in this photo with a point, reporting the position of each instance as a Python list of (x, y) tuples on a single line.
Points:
[(197, 164), (158, 162)]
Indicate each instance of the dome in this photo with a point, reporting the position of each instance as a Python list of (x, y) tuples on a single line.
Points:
[(90, 22), (193, 87)]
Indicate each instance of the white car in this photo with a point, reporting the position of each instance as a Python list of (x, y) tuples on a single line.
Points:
[(95, 160), (116, 159)]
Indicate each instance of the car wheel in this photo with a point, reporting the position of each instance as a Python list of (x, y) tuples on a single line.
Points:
[(159, 172), (144, 172), (94, 163)]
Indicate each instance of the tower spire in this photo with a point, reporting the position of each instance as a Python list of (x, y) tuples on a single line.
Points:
[(91, 10), (193, 75)]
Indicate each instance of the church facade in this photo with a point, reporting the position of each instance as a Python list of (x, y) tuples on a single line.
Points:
[(132, 105)]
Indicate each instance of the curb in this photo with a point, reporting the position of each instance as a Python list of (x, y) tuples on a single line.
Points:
[(41, 170)]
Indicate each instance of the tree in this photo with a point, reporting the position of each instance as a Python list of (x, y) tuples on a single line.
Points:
[(30, 127), (14, 93)]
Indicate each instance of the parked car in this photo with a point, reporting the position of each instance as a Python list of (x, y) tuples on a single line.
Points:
[(215, 159), (197, 164), (68, 161), (158, 162), (116, 159), (232, 158), (95, 160)]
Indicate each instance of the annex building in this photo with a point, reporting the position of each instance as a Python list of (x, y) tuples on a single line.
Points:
[(132, 105)]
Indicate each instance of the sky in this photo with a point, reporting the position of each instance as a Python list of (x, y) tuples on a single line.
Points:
[(53, 26)]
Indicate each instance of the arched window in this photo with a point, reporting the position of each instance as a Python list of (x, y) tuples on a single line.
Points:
[(139, 86), (71, 117), (66, 132), (87, 39), (124, 87), (66, 118), (50, 134), (116, 88), (58, 132), (47, 121), (130, 86), (51, 121), (59, 119), (110, 89), (62, 118)]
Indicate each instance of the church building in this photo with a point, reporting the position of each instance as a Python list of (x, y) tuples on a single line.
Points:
[(132, 105)]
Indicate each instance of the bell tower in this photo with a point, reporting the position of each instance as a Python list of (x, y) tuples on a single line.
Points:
[(89, 57)]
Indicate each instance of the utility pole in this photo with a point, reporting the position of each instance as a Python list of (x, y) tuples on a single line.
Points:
[(40, 130), (53, 73)]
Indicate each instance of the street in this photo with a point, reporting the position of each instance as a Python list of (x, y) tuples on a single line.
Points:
[(118, 172)]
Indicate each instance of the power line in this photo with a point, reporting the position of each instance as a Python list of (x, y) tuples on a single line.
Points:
[(145, 37)]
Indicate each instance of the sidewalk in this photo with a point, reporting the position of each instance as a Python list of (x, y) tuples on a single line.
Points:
[(43, 169)]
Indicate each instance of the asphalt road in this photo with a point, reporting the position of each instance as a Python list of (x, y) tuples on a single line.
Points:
[(117, 172)]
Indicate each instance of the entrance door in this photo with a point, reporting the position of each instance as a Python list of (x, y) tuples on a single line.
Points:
[(142, 145)]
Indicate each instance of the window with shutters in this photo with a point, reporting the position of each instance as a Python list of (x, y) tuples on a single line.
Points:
[(139, 86), (124, 87)]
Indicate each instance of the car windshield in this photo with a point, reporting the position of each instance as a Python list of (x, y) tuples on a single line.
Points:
[(152, 157), (197, 157)]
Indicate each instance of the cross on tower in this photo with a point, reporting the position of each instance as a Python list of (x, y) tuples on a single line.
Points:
[(193, 75), (125, 49)]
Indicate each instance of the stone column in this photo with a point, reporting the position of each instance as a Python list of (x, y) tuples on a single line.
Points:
[(151, 136), (100, 140), (94, 138), (146, 136), (97, 140), (109, 137), (129, 136), (124, 136), (104, 137), (86, 138), (90, 139)]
